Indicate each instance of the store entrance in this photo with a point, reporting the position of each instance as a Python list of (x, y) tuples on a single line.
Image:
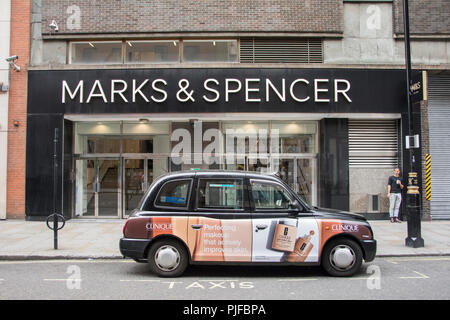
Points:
[(115, 162), (113, 187), (98, 187)]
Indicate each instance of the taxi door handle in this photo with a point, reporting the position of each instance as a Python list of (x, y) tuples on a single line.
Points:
[(261, 226), (196, 226)]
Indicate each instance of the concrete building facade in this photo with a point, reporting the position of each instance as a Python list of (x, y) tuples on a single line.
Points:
[(85, 55)]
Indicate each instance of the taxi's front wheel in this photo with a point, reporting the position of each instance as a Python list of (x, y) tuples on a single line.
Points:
[(342, 257), (167, 258)]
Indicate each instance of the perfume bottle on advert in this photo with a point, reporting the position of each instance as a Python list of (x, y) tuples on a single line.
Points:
[(284, 236), (302, 248)]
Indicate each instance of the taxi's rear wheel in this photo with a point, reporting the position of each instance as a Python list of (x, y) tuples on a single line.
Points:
[(342, 257), (167, 258)]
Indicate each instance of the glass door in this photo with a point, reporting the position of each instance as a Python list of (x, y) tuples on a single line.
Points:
[(300, 175), (138, 175), (108, 190), (97, 187), (135, 182)]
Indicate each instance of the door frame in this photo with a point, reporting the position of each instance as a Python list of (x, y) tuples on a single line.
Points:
[(96, 157)]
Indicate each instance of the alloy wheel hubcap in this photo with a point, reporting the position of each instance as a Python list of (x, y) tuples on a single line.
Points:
[(342, 257), (167, 258)]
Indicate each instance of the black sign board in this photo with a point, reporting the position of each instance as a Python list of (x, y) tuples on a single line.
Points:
[(216, 90), (416, 88)]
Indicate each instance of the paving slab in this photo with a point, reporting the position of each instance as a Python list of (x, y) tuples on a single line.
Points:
[(99, 238)]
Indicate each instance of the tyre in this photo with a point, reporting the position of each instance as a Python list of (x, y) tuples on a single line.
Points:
[(167, 258), (342, 257)]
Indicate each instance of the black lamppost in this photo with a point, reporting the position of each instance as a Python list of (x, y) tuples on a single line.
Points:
[(414, 238)]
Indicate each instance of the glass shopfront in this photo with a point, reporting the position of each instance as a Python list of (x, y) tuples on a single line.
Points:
[(115, 162), (122, 128)]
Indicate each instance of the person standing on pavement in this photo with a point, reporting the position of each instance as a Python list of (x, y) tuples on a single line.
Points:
[(395, 186)]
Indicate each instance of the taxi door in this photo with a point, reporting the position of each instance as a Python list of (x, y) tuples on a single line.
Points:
[(220, 228), (280, 232)]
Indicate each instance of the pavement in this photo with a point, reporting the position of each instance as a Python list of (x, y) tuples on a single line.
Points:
[(99, 239)]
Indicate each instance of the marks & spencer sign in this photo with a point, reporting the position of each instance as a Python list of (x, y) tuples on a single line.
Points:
[(253, 90), (215, 90)]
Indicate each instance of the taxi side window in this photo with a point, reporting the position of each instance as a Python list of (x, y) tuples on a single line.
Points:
[(174, 194), (269, 196), (220, 194)]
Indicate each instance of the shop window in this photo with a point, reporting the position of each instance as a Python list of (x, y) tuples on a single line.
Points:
[(104, 52), (102, 145), (295, 137), (128, 137), (220, 194), (249, 137), (137, 145), (210, 51), (152, 51)]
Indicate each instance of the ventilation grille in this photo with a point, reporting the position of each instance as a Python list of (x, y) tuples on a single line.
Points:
[(373, 143), (281, 50)]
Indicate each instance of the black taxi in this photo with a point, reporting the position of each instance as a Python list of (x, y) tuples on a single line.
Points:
[(242, 218)]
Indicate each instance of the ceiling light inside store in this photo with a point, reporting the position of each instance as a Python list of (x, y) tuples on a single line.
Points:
[(214, 43), (129, 43), (144, 121), (175, 43), (90, 43)]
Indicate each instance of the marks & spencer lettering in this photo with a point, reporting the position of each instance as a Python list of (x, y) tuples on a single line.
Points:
[(300, 90)]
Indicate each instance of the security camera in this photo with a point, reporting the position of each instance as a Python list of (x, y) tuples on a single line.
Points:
[(54, 26), (12, 64), (12, 58)]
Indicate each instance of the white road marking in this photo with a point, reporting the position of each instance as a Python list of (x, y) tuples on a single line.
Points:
[(139, 280), (421, 276), (294, 280), (401, 259), (62, 279)]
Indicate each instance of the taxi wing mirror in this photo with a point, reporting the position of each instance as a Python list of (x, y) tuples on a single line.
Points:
[(294, 208)]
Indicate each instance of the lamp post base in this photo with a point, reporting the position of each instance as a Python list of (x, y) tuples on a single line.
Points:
[(414, 239)]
